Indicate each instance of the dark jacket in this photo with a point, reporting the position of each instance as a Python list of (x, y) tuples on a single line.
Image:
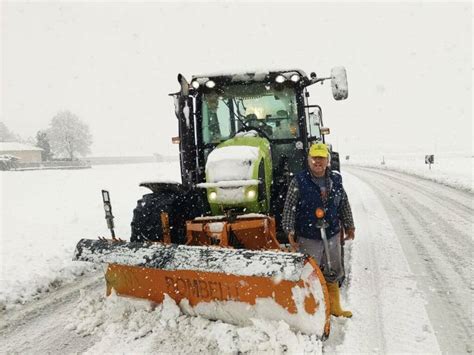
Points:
[(310, 199)]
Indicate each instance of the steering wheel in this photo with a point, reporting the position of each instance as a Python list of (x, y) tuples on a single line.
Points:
[(248, 128)]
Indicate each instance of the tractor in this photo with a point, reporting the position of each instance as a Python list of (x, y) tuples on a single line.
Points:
[(213, 242)]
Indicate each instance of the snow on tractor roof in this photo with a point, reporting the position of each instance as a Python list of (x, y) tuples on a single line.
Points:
[(248, 75)]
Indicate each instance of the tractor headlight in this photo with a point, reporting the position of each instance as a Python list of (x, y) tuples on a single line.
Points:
[(250, 194), (295, 78), (280, 79), (210, 84), (212, 196), (195, 84)]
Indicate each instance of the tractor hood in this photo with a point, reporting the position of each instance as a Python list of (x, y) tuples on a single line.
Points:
[(231, 163), (238, 172)]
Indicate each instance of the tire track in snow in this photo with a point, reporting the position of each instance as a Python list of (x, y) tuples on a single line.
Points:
[(430, 189), (371, 318), (450, 242), (446, 251), (451, 239), (436, 252), (389, 314), (40, 326), (446, 285)]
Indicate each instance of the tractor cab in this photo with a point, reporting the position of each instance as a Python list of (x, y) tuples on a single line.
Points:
[(269, 110)]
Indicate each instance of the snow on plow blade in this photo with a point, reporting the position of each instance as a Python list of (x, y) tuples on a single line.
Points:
[(233, 285)]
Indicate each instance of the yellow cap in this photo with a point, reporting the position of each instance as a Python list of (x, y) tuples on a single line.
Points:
[(319, 150)]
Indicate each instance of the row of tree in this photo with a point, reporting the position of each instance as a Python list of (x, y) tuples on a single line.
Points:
[(67, 137)]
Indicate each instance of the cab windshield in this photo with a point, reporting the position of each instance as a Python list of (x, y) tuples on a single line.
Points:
[(237, 107)]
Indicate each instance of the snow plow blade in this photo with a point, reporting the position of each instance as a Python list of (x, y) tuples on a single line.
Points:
[(233, 285)]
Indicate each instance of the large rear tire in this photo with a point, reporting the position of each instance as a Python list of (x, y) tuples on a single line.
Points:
[(146, 223), (180, 206)]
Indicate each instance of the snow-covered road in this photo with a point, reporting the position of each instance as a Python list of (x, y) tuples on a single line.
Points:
[(408, 284), (434, 225), (41, 326)]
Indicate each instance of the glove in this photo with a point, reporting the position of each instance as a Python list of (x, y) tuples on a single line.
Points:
[(350, 233), (293, 245)]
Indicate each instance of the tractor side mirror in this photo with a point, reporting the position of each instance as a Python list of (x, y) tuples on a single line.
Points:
[(176, 105), (339, 85), (316, 117), (184, 85), (181, 95), (183, 102)]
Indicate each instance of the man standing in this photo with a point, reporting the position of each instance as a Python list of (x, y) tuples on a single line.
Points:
[(318, 187)]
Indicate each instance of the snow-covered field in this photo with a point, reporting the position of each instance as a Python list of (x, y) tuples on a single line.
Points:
[(44, 214), (451, 169)]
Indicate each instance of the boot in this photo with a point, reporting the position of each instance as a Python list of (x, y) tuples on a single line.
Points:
[(335, 302)]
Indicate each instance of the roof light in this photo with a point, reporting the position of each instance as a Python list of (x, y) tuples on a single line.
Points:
[(210, 84), (195, 84), (280, 79), (295, 78)]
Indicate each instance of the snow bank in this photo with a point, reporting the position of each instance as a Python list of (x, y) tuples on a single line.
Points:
[(132, 326), (455, 170)]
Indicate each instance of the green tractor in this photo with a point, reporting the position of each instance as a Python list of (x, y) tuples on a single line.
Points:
[(224, 121)]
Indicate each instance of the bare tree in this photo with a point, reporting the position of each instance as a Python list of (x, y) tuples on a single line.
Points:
[(69, 136)]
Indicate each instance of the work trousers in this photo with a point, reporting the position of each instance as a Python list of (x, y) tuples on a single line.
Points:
[(315, 248)]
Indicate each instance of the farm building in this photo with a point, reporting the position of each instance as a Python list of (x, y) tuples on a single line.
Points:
[(26, 153)]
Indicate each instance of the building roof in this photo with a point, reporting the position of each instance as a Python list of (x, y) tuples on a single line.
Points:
[(15, 146)]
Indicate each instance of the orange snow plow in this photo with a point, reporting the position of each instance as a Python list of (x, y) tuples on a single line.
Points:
[(216, 281)]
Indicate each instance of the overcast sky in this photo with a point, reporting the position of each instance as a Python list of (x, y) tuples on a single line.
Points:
[(113, 64)]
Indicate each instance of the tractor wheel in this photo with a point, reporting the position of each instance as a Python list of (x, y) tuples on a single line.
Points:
[(146, 223), (181, 206)]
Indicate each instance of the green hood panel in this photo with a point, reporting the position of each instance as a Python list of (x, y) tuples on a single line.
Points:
[(226, 189)]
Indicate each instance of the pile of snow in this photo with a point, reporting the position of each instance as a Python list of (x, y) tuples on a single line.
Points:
[(231, 163), (132, 326), (272, 264), (451, 169)]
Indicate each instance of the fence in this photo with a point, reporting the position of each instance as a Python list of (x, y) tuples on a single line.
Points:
[(76, 164)]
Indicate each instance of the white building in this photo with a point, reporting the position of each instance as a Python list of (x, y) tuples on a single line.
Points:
[(26, 153)]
